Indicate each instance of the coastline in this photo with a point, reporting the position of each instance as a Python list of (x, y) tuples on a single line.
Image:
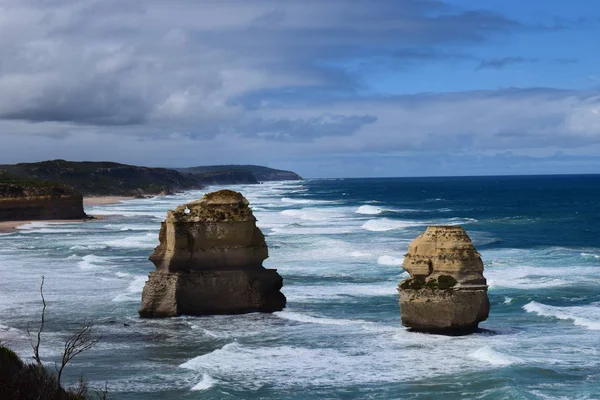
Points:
[(104, 200), (11, 226)]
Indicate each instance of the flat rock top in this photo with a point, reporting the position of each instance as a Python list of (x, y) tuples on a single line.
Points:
[(446, 249), (223, 205)]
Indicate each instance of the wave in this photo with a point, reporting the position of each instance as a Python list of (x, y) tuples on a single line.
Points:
[(311, 214), (298, 229), (390, 260), (205, 383), (489, 355), (133, 290), (298, 317), (580, 315), (89, 247), (507, 300), (147, 241), (307, 201), (91, 261), (385, 224), (590, 255), (369, 210)]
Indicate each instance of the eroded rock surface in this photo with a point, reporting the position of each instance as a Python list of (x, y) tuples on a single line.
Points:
[(209, 261), (446, 291)]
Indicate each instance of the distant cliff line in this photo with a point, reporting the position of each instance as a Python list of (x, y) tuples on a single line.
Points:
[(115, 179)]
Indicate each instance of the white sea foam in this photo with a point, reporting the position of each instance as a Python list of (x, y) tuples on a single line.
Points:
[(304, 201), (146, 241), (299, 317), (359, 254), (369, 210), (133, 290), (508, 300), (247, 367), (310, 230), (489, 355), (9, 333), (89, 247), (91, 261), (590, 255), (386, 224), (205, 383), (311, 293), (311, 214), (586, 316), (390, 260)]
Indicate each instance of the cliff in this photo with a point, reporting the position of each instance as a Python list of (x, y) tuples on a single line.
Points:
[(446, 291), (260, 173), (23, 199), (226, 177), (209, 261), (106, 178)]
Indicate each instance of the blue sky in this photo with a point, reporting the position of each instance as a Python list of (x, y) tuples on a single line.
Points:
[(328, 88)]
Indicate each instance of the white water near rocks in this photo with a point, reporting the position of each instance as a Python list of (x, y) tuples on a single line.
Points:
[(341, 263)]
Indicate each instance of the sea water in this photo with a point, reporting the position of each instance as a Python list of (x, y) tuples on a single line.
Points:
[(339, 245)]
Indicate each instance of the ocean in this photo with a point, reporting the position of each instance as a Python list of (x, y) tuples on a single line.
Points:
[(339, 245)]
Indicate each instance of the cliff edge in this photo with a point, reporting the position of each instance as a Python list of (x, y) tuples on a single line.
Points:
[(24, 199)]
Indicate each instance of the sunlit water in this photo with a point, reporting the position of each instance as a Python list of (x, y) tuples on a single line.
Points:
[(339, 245)]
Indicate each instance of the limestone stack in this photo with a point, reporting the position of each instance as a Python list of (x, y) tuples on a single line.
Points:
[(209, 261), (446, 291)]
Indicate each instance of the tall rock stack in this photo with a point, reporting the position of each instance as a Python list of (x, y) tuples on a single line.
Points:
[(446, 292), (209, 261)]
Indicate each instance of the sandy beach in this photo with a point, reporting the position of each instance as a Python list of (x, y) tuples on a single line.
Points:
[(104, 200), (11, 226)]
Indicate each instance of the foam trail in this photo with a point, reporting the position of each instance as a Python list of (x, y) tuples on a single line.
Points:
[(299, 317), (369, 210), (489, 355), (574, 314), (390, 260), (385, 224), (205, 383)]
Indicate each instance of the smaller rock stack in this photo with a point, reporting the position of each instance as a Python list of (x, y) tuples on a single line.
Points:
[(209, 261), (446, 292)]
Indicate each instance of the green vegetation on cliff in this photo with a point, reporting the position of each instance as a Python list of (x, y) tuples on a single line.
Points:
[(259, 172), (12, 186), (105, 178), (114, 179)]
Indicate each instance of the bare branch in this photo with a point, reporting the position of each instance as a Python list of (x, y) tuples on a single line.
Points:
[(36, 345), (103, 394), (78, 343)]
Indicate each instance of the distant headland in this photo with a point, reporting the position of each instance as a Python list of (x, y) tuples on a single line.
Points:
[(57, 189)]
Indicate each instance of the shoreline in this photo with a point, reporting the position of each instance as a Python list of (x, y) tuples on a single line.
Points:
[(104, 200), (12, 226)]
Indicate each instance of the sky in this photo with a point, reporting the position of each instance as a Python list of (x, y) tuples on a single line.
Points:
[(327, 88)]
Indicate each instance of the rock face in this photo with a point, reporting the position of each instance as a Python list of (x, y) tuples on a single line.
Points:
[(446, 292), (31, 199), (209, 261)]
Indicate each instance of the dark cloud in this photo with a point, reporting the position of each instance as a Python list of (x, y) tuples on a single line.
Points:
[(127, 62)]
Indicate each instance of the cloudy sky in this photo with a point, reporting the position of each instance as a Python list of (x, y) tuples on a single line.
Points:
[(328, 88)]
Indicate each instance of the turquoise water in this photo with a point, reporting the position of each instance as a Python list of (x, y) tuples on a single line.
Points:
[(339, 246)]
